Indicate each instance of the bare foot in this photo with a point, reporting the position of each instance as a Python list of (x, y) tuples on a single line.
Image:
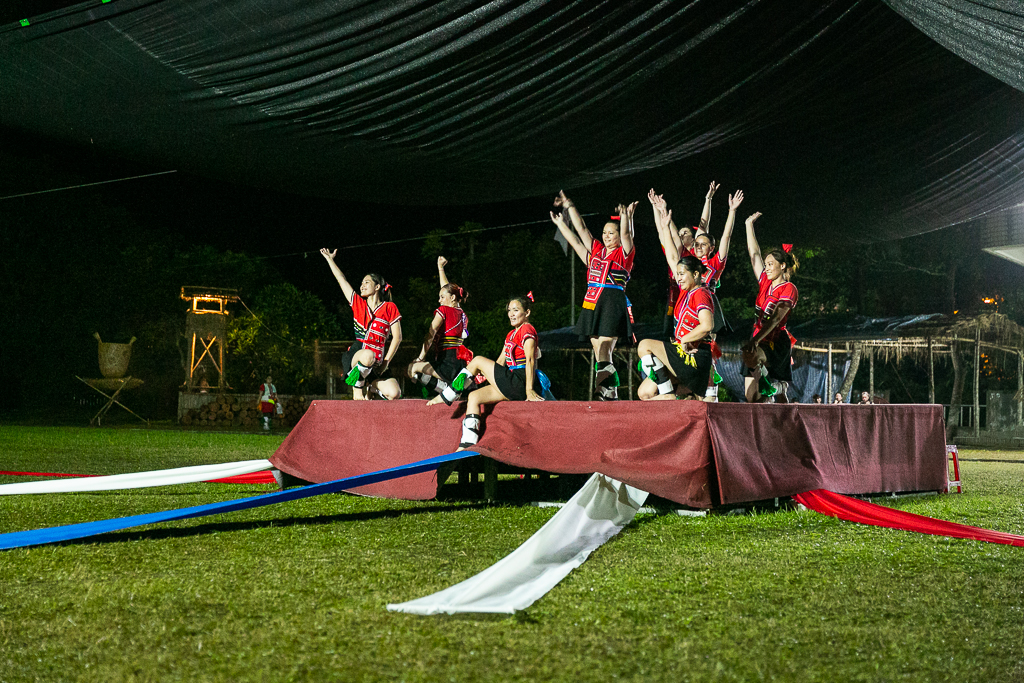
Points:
[(434, 401)]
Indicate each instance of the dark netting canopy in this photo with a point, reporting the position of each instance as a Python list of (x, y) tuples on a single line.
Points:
[(876, 120)]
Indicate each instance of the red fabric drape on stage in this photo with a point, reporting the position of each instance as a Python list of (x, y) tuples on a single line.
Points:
[(774, 451), (864, 512), (661, 447)]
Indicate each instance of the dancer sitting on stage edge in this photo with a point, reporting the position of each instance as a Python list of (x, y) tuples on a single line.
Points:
[(606, 314), (684, 366), (768, 355), (513, 377), (443, 354), (375, 318)]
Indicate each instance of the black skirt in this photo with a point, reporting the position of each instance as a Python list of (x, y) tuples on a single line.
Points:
[(691, 370), (447, 364), (512, 383), (778, 358), (609, 318)]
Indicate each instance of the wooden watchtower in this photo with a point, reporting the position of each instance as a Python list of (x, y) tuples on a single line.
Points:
[(206, 327)]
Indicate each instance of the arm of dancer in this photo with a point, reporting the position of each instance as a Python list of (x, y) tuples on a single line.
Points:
[(428, 341), (705, 214), (396, 341), (734, 203), (441, 263), (753, 248), (662, 221), (346, 288), (705, 325), (570, 237), (530, 349), (777, 316), (577, 220), (626, 227)]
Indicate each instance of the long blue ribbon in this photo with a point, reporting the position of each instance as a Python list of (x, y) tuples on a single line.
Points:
[(22, 539)]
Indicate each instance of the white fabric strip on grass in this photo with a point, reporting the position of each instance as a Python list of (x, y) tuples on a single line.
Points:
[(138, 480), (596, 513)]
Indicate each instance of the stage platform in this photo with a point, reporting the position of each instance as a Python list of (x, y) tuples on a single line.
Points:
[(694, 453)]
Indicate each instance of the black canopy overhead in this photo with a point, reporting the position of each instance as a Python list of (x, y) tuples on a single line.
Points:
[(860, 120)]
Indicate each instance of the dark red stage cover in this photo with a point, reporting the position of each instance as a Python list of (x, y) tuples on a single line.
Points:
[(664, 447), (769, 451), (661, 447)]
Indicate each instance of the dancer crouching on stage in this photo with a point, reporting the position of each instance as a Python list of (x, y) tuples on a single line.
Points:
[(768, 355), (375, 318), (443, 354), (606, 314), (684, 366), (513, 377)]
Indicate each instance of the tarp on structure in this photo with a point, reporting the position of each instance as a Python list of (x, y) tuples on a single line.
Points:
[(842, 113), (691, 452)]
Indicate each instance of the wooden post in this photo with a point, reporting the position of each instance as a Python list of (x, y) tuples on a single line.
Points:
[(572, 371), (572, 288), (977, 376), (1020, 388), (590, 386), (931, 372), (828, 372), (871, 372), (629, 370)]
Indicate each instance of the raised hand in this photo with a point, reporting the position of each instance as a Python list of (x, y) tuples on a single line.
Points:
[(627, 211), (562, 201), (329, 255), (753, 217), (558, 219), (735, 200), (441, 261), (711, 190)]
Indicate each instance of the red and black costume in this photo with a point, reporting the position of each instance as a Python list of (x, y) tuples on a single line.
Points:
[(372, 329), (511, 379), (450, 354), (606, 310), (691, 362), (778, 345)]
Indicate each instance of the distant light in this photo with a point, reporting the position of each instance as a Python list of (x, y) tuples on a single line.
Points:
[(24, 22), (988, 300)]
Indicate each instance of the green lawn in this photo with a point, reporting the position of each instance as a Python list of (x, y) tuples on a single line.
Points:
[(297, 591)]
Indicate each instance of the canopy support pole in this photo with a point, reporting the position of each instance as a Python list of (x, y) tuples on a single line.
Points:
[(828, 371), (977, 376), (931, 372)]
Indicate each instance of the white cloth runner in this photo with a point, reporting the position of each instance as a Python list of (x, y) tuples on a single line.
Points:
[(597, 512), (138, 480)]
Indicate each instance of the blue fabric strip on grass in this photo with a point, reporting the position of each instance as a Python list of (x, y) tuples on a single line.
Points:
[(22, 539)]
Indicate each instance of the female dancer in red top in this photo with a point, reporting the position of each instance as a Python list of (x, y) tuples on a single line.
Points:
[(443, 354), (606, 315), (375, 318), (768, 354), (513, 377), (684, 366)]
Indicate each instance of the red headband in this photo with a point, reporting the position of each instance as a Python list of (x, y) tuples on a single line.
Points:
[(387, 286), (787, 248), (614, 218), (529, 295), (462, 293)]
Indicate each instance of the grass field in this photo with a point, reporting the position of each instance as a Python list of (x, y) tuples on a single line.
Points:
[(297, 591)]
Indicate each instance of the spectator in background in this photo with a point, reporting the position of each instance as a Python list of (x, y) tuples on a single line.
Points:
[(267, 401), (838, 398), (816, 399), (865, 399)]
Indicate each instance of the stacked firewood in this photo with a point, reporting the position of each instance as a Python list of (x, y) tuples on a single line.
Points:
[(230, 412)]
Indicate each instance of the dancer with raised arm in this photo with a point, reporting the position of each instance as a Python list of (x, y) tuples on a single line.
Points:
[(768, 355), (513, 377), (443, 353), (375, 319), (606, 314)]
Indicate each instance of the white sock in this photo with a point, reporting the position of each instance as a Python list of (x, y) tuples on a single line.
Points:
[(652, 363), (470, 430)]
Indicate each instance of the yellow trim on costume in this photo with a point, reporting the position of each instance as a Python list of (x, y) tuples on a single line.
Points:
[(589, 306)]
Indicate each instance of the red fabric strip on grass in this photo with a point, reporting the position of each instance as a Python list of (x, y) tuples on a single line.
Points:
[(863, 512)]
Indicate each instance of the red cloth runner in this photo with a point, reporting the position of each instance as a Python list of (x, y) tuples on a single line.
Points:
[(863, 512), (263, 477)]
